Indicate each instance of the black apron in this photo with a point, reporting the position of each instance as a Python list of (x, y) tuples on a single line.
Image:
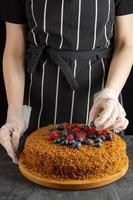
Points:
[(70, 49)]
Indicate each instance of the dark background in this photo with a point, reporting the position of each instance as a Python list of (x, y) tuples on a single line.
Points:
[(127, 92), (128, 101)]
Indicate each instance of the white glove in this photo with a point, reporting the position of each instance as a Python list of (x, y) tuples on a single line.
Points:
[(16, 124), (107, 112)]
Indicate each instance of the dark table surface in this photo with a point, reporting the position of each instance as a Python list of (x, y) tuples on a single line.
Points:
[(13, 186)]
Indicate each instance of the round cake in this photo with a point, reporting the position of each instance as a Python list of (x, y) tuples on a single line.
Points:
[(74, 152)]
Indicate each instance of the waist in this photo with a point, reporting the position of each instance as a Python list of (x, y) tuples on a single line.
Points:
[(81, 54), (37, 53), (72, 54)]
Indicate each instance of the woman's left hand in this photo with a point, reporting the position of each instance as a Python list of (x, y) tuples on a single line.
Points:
[(17, 122), (107, 112)]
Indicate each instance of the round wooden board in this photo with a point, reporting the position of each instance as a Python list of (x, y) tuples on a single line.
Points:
[(70, 184)]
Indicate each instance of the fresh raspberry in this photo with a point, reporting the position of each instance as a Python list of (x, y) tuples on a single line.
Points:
[(86, 128), (80, 135), (77, 130), (53, 135), (70, 137), (104, 132), (92, 131), (72, 126)]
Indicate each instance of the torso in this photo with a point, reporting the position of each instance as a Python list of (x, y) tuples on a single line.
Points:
[(71, 24)]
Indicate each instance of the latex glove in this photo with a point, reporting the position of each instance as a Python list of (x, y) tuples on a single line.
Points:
[(107, 112), (16, 124)]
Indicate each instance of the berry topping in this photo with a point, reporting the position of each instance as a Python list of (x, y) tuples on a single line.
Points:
[(74, 135)]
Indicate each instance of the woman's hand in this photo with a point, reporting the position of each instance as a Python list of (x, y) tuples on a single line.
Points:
[(14, 78), (107, 112), (16, 124)]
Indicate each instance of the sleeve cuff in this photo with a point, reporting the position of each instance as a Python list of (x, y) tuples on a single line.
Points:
[(12, 20)]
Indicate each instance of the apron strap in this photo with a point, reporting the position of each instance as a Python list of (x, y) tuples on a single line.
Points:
[(33, 55), (65, 68), (56, 55)]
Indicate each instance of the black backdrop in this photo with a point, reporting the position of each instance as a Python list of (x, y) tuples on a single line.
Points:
[(128, 101), (127, 92)]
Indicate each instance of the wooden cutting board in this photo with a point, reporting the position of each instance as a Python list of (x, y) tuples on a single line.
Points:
[(70, 184)]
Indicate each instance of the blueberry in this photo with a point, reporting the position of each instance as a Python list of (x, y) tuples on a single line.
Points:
[(72, 142), (73, 145), (93, 136), (80, 139), (90, 137), (62, 138), (66, 142), (50, 130), (98, 144), (57, 140), (103, 138), (78, 144), (63, 142), (92, 124), (59, 127), (99, 140), (89, 141), (73, 132), (84, 141), (65, 132), (109, 137)]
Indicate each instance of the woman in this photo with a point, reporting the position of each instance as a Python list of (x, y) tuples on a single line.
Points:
[(77, 50)]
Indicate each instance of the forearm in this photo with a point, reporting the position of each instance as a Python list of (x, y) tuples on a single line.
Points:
[(13, 62), (14, 77), (120, 68)]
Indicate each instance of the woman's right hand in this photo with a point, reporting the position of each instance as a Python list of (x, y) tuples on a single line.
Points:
[(107, 112), (16, 124)]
